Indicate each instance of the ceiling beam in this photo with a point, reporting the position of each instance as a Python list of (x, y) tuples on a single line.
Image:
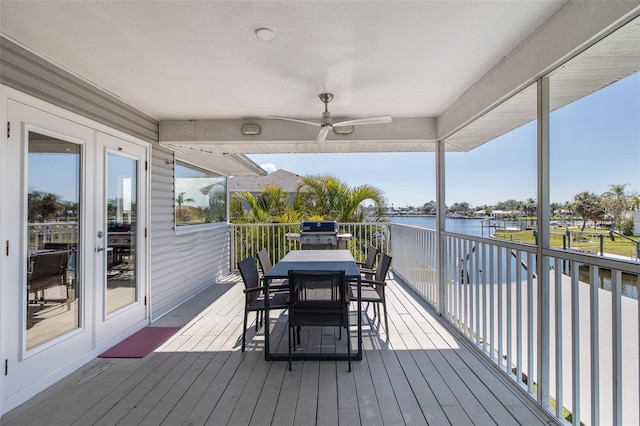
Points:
[(278, 136)]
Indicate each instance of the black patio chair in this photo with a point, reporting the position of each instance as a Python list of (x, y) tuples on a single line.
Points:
[(367, 268), (254, 300), (264, 259), (373, 290), (318, 299)]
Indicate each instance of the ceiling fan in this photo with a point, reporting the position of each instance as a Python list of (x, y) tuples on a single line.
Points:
[(327, 123)]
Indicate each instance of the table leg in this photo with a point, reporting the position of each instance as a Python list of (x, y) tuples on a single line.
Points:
[(359, 356), (267, 355)]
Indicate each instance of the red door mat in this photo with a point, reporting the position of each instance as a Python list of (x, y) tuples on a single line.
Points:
[(141, 343)]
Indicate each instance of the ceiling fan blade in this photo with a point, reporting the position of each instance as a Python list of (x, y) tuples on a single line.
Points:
[(296, 120), (368, 120), (323, 134)]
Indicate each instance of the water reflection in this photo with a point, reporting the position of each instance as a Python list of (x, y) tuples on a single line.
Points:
[(629, 281)]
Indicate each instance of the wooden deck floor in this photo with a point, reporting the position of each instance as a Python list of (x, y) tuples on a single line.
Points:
[(423, 375)]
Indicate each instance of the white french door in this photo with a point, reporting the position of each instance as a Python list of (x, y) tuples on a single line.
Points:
[(120, 271), (67, 287)]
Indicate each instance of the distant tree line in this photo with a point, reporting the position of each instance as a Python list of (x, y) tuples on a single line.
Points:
[(612, 207)]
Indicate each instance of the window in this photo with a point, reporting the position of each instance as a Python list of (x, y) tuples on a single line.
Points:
[(200, 196)]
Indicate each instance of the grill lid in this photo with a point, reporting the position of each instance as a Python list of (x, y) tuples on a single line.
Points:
[(322, 226)]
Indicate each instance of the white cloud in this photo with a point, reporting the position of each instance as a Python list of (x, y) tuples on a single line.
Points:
[(269, 167)]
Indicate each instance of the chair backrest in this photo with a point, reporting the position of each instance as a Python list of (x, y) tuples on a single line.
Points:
[(265, 261), (383, 267), (50, 264), (372, 254), (318, 298), (250, 277), (49, 269)]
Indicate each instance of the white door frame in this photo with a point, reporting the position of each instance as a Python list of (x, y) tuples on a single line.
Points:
[(10, 268)]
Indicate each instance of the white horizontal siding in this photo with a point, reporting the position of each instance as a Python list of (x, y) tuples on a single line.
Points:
[(35, 76), (183, 263)]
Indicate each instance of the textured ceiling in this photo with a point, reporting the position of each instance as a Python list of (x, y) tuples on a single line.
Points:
[(202, 59)]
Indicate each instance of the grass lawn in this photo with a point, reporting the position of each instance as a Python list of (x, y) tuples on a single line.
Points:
[(586, 241)]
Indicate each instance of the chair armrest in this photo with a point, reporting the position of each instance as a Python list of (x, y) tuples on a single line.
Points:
[(374, 282), (252, 289)]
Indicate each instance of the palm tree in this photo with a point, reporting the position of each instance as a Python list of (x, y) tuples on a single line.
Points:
[(588, 205), (271, 203), (616, 203), (329, 197), (181, 200), (257, 211)]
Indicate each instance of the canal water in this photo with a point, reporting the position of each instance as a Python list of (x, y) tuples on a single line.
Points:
[(474, 227)]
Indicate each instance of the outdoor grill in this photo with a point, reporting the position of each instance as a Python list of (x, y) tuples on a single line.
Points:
[(320, 235)]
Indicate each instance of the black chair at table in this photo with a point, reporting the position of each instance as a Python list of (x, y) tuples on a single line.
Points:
[(264, 260), (318, 299), (254, 295), (373, 290), (367, 267)]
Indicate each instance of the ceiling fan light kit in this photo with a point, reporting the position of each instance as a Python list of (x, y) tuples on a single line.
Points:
[(327, 123), (343, 130), (251, 129)]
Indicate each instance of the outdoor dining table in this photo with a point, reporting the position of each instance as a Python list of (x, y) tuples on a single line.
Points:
[(314, 260)]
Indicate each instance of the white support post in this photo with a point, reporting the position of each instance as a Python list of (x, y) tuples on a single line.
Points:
[(542, 265), (440, 219)]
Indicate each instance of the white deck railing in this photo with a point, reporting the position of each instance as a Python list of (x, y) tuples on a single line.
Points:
[(248, 239), (51, 232), (590, 333)]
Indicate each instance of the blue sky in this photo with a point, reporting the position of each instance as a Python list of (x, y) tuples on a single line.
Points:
[(595, 143)]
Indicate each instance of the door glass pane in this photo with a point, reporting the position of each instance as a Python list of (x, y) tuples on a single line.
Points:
[(53, 229), (121, 235)]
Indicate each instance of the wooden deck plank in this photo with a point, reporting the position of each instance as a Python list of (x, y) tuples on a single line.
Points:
[(227, 403), (267, 400), (422, 374), (367, 399), (306, 406), (285, 410), (389, 409), (327, 413)]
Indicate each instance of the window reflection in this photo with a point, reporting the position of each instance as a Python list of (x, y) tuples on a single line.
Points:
[(201, 196), (121, 231), (53, 206)]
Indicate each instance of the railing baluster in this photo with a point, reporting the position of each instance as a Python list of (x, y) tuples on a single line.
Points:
[(509, 317), (530, 321), (559, 339), (492, 328), (575, 342), (499, 282), (484, 298), (519, 305), (595, 344), (616, 313)]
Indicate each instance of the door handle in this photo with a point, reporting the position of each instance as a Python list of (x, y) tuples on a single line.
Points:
[(99, 249)]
